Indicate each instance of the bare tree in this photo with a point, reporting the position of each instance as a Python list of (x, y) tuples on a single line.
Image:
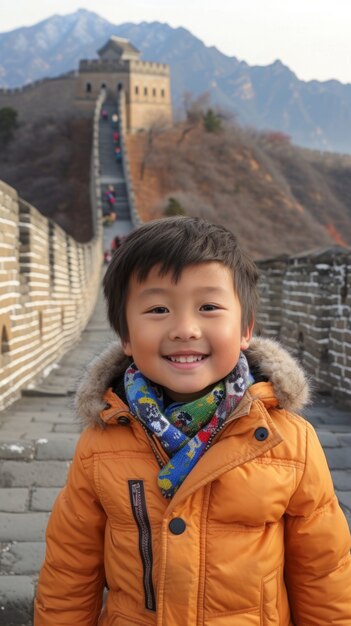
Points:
[(156, 128), (194, 110)]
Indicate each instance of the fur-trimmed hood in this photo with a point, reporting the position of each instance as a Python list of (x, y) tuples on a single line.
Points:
[(275, 364)]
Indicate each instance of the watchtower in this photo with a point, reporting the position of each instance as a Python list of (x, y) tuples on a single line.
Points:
[(146, 84)]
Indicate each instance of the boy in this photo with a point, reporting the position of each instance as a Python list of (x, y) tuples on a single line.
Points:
[(195, 493)]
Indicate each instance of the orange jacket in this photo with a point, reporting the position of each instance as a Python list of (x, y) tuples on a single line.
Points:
[(253, 537)]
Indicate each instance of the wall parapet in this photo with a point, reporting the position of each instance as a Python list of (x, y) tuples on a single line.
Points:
[(306, 304), (30, 86), (97, 65), (122, 110), (48, 285)]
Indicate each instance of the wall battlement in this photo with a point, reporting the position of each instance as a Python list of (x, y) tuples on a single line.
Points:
[(30, 86), (306, 304), (98, 66)]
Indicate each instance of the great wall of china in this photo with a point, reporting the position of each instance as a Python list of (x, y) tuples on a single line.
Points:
[(49, 284), (306, 304)]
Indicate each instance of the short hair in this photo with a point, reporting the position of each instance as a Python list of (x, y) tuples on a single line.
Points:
[(175, 243)]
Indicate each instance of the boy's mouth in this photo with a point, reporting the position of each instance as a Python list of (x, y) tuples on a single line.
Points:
[(186, 358)]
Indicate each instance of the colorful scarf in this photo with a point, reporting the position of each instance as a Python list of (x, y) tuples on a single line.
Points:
[(185, 430)]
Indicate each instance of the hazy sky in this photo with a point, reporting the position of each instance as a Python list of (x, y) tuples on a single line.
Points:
[(312, 37)]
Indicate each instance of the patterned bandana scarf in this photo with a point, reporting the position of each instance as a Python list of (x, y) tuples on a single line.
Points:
[(185, 430)]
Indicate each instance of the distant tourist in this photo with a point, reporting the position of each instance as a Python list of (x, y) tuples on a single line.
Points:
[(110, 195), (104, 114), (197, 496), (115, 243)]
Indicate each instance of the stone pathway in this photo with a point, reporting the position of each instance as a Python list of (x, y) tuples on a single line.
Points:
[(38, 434), (111, 173)]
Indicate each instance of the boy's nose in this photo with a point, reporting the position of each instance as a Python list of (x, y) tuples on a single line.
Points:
[(184, 331)]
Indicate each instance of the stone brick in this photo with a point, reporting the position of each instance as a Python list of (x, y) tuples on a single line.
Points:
[(345, 499), (338, 458), (16, 449), (23, 557), (23, 526), (43, 498), (43, 473), (342, 479), (16, 600), (328, 439), (67, 428), (61, 449), (14, 500)]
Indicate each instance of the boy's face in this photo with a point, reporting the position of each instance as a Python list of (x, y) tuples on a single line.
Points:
[(185, 336)]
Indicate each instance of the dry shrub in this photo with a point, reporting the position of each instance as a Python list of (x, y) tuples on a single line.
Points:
[(263, 190), (48, 163)]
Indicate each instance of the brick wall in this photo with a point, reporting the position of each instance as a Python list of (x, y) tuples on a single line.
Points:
[(50, 96), (48, 285), (306, 304)]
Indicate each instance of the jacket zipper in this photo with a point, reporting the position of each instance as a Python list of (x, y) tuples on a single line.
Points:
[(138, 504)]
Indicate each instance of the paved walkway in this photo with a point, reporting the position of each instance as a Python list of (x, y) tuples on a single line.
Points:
[(111, 173)]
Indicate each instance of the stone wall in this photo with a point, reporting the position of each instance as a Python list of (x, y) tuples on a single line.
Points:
[(306, 304), (146, 86), (122, 109), (50, 96), (48, 286)]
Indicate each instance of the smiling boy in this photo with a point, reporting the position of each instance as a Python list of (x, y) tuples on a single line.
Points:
[(196, 493)]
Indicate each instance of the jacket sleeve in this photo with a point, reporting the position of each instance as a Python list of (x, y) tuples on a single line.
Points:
[(317, 544), (72, 578)]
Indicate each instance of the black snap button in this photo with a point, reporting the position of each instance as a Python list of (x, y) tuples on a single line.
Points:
[(177, 526), (261, 433), (124, 420)]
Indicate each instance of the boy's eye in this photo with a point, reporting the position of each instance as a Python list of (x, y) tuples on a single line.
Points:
[(209, 307), (158, 309)]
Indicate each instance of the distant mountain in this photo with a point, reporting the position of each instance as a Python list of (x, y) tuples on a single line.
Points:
[(315, 114)]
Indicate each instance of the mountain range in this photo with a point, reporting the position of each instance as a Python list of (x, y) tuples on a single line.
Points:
[(314, 114)]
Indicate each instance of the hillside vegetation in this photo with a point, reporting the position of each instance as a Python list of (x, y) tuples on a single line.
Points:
[(276, 197), (48, 163)]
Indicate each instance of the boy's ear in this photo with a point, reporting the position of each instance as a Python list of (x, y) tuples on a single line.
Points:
[(127, 349), (246, 338)]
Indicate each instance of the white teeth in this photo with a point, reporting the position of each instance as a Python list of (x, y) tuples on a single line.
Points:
[(185, 359)]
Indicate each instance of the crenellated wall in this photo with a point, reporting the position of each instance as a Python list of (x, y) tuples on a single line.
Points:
[(49, 96), (48, 285), (122, 109), (306, 304)]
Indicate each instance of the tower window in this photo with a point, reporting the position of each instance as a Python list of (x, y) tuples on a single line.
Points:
[(145, 91), (162, 93), (136, 90), (154, 92), (88, 88)]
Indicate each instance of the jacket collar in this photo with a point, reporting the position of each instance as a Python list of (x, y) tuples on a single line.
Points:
[(236, 445), (287, 386)]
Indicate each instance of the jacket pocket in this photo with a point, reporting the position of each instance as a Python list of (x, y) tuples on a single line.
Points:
[(138, 504), (269, 599)]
